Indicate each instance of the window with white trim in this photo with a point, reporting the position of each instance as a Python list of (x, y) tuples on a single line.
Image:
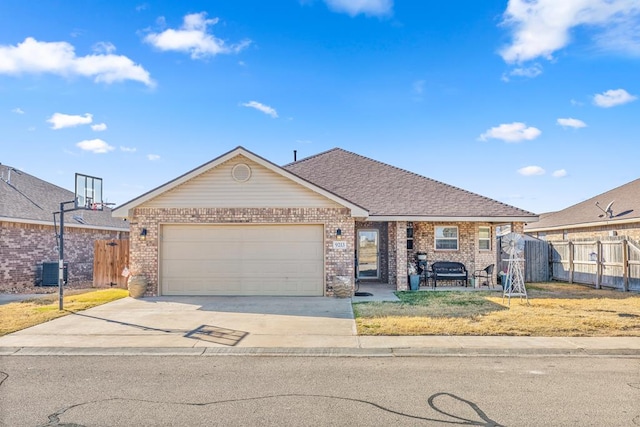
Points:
[(484, 238), (446, 238)]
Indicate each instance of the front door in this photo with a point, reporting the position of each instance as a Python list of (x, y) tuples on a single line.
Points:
[(368, 254)]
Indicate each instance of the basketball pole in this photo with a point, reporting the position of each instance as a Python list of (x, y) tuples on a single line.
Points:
[(61, 254)]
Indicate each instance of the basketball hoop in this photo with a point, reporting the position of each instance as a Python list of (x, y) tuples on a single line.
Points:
[(100, 206)]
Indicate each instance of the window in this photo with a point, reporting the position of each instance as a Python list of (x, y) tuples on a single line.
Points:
[(409, 235), (484, 238), (446, 238)]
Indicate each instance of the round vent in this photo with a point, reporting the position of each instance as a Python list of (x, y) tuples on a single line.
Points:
[(241, 172)]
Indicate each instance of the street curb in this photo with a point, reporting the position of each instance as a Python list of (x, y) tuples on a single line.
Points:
[(316, 352)]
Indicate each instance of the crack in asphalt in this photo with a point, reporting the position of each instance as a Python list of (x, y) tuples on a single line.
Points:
[(54, 419)]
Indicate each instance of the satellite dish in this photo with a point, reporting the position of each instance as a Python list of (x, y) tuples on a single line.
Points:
[(607, 211), (512, 244)]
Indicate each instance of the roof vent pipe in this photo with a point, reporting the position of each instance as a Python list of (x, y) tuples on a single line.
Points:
[(295, 155)]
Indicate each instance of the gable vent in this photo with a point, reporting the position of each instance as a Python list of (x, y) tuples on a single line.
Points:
[(241, 172)]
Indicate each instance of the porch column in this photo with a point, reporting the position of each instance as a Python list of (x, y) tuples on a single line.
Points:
[(400, 249)]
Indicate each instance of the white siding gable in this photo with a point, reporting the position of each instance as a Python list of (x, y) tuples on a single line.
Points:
[(217, 188)]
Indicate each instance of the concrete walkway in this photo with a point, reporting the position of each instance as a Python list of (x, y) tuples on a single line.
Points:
[(267, 326)]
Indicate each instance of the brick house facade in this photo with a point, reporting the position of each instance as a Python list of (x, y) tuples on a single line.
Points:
[(28, 237), (181, 229), (25, 247)]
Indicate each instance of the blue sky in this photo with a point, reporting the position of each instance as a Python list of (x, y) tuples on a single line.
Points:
[(533, 103)]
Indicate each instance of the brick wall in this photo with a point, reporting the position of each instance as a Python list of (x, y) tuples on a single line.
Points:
[(144, 255), (400, 250), (468, 251), (24, 247)]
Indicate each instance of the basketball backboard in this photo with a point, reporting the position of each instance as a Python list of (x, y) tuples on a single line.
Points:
[(88, 192)]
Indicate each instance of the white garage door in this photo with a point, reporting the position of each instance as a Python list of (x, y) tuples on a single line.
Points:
[(242, 260)]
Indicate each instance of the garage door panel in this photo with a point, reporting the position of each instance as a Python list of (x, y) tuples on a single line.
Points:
[(242, 260)]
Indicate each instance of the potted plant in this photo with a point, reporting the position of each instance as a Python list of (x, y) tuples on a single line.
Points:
[(414, 277)]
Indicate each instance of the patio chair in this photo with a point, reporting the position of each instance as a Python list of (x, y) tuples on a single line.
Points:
[(485, 274)]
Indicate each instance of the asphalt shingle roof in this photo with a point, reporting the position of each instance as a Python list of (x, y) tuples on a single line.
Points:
[(626, 207), (386, 190), (25, 197)]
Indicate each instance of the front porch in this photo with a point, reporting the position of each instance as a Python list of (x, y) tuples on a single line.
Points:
[(385, 249)]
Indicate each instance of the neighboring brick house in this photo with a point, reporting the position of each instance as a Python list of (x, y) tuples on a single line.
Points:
[(241, 225), (592, 220), (28, 238)]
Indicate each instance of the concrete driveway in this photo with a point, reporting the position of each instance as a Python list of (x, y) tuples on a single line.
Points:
[(199, 322)]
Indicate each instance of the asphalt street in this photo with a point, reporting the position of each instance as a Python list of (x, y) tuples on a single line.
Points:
[(324, 391)]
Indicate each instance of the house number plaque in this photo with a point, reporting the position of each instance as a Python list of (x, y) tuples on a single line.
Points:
[(339, 244)]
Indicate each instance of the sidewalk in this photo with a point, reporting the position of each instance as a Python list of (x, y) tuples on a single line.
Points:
[(313, 326), (377, 347)]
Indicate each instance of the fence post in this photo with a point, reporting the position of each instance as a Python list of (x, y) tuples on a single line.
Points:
[(625, 266), (571, 267), (599, 265)]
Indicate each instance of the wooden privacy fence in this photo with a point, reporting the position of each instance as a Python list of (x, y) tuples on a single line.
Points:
[(610, 263), (536, 260), (110, 257)]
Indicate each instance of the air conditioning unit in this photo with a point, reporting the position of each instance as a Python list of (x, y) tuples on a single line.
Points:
[(49, 276)]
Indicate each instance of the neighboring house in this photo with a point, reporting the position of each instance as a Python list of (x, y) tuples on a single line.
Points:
[(241, 225), (613, 213), (28, 238)]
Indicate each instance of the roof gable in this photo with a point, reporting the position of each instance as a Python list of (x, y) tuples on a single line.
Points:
[(212, 185), (625, 209), (390, 192)]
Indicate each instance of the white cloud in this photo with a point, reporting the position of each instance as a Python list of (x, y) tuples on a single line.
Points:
[(531, 170), (18, 111), (99, 127), (542, 27), (128, 149), (366, 7), (97, 146), (104, 47), (528, 72), (153, 157), (511, 132), (261, 107), (611, 98), (35, 57), (571, 123), (60, 121), (560, 173), (193, 38)]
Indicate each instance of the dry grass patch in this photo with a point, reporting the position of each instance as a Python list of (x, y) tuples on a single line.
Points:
[(20, 315), (554, 310)]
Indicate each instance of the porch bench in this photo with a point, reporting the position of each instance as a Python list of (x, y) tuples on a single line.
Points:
[(448, 270)]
